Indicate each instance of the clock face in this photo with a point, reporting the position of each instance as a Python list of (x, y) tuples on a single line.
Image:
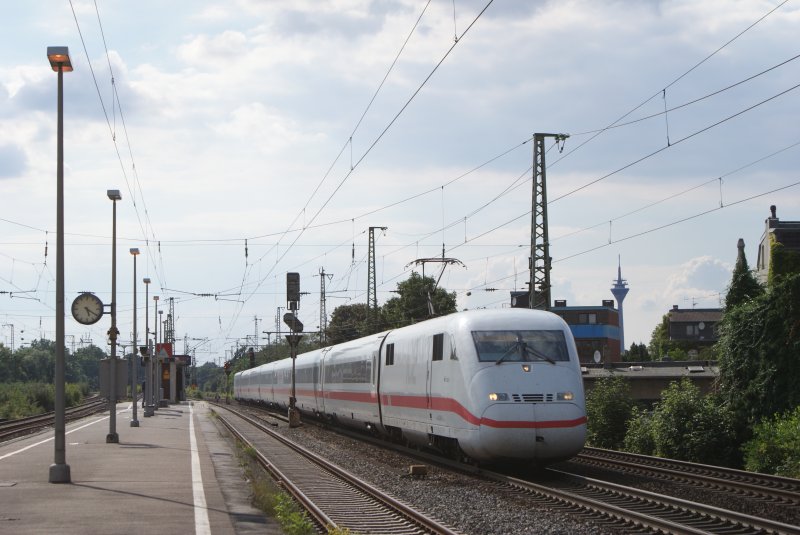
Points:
[(87, 309)]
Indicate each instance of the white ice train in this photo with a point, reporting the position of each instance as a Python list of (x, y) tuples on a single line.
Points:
[(491, 385)]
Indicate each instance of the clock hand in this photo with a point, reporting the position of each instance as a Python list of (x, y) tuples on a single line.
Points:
[(88, 311)]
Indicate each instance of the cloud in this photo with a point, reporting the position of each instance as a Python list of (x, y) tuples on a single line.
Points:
[(701, 275), (225, 47), (13, 161)]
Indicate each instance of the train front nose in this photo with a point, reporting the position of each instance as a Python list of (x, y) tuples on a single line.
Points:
[(533, 431)]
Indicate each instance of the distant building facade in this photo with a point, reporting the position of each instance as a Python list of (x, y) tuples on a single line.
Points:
[(595, 328), (787, 233), (697, 326)]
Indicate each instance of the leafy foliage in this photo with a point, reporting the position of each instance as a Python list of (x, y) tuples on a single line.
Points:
[(292, 519), (19, 400), (689, 426), (412, 304), (348, 322), (759, 350), (775, 447), (609, 406), (744, 285), (782, 261), (637, 353), (639, 435), (659, 339)]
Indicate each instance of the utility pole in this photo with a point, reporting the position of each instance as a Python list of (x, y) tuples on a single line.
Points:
[(255, 333), (539, 261), (12, 334), (278, 321), (372, 287), (323, 313), (169, 328)]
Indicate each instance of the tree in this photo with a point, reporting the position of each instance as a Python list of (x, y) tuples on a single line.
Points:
[(659, 340), (37, 362), (412, 304), (637, 353), (661, 346), (759, 346), (84, 366), (608, 409), (348, 322), (744, 285), (7, 367)]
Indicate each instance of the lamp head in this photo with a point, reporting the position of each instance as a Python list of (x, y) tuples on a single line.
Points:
[(59, 57), (155, 298), (114, 195), (146, 280), (134, 251)]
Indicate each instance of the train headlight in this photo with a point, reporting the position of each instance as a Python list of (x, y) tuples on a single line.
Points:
[(565, 396), (498, 397)]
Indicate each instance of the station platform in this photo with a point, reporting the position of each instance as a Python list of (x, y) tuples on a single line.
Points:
[(173, 474)]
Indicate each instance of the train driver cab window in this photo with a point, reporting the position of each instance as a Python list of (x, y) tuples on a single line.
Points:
[(438, 346), (521, 346), (389, 354)]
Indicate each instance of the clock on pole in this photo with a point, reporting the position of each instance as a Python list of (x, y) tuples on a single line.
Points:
[(87, 308)]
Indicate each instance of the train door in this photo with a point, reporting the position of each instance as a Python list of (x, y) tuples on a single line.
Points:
[(320, 389), (436, 376)]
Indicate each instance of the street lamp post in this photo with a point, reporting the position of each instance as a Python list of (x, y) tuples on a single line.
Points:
[(112, 436), (148, 384), (59, 470), (156, 367), (161, 368), (134, 354)]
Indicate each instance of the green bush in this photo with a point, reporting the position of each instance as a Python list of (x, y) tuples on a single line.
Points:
[(292, 519), (775, 447), (689, 426), (14, 403), (608, 409), (20, 400), (639, 435), (74, 394)]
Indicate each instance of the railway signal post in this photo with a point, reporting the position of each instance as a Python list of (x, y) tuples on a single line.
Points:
[(290, 319)]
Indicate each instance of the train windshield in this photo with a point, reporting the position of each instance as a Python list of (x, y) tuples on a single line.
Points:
[(517, 346)]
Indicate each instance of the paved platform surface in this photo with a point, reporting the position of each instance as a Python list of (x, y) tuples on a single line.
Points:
[(173, 474)]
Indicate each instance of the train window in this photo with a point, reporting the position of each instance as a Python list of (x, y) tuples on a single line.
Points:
[(389, 354), (438, 346), (511, 346)]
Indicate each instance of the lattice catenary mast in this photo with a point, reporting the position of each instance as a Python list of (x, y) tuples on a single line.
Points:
[(539, 261)]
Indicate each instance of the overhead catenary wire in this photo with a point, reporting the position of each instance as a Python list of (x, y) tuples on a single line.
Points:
[(369, 149), (116, 104), (305, 225)]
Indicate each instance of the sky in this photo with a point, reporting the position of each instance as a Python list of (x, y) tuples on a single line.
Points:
[(251, 138)]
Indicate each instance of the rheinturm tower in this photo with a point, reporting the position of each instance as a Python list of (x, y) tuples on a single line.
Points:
[(620, 290)]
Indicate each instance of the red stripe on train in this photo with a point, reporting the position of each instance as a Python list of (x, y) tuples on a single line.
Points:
[(437, 404)]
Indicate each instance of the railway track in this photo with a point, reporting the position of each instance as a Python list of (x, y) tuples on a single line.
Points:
[(748, 484), (649, 510), (23, 426), (332, 496), (627, 508)]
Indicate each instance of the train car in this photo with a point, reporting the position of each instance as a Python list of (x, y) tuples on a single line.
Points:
[(488, 385), (495, 384)]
